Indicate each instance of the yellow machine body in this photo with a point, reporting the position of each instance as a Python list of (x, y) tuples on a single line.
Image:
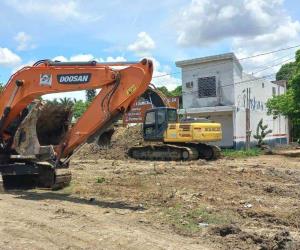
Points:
[(193, 132)]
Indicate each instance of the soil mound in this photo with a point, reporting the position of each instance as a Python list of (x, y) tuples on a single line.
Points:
[(122, 139)]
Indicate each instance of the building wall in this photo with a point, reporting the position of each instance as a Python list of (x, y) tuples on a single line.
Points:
[(222, 70), (232, 85), (260, 91)]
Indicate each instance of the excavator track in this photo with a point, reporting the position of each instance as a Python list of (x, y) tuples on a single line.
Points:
[(208, 152), (170, 152), (165, 152), (53, 178), (32, 175)]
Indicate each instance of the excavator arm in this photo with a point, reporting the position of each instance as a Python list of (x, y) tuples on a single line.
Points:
[(120, 83)]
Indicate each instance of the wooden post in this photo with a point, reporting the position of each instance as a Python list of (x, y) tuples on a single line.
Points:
[(248, 131)]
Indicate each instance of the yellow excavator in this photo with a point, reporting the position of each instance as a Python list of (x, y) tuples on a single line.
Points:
[(175, 140)]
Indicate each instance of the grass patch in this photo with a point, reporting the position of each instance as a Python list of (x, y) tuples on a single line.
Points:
[(100, 180), (241, 153), (190, 221)]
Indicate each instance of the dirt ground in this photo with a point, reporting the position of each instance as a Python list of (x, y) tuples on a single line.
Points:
[(251, 203)]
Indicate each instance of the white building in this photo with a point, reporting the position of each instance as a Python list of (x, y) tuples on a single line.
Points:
[(216, 87)]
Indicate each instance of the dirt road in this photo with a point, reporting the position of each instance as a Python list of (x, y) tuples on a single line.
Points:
[(251, 203), (47, 220)]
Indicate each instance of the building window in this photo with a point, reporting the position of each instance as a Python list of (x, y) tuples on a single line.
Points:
[(189, 85), (207, 87), (273, 91)]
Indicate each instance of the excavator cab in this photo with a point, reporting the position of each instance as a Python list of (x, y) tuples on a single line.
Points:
[(156, 122), (176, 140)]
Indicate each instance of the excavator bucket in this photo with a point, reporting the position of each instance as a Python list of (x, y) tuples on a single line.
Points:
[(43, 128)]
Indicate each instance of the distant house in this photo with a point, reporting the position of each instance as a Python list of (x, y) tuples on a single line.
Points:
[(216, 87)]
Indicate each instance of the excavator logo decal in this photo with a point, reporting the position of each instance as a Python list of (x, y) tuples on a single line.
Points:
[(45, 79), (74, 78), (131, 89)]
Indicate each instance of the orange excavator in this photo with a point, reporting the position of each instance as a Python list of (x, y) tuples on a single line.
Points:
[(31, 150)]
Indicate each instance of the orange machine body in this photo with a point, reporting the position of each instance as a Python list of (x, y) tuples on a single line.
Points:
[(119, 89)]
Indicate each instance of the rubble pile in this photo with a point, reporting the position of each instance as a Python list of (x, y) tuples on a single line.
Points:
[(122, 139)]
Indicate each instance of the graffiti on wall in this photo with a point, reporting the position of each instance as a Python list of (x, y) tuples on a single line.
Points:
[(254, 104)]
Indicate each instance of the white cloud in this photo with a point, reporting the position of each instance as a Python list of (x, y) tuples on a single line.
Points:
[(115, 59), (60, 59), (166, 80), (162, 77), (143, 45), (88, 57), (8, 58), (24, 41), (204, 22), (82, 58), (285, 33), (227, 12), (54, 9), (251, 26), (30, 63)]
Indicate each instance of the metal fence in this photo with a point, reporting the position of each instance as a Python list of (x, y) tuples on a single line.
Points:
[(295, 130)]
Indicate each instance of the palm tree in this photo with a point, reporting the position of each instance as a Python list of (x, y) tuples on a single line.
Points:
[(53, 102), (66, 102)]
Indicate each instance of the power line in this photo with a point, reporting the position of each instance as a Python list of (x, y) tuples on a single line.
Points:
[(270, 52), (275, 60), (274, 65), (240, 59)]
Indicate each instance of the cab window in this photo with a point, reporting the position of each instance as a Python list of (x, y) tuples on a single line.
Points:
[(150, 118), (172, 115), (161, 116)]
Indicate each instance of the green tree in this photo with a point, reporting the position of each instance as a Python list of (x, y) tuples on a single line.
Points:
[(79, 108), (286, 71), (1, 87), (288, 104), (164, 90), (54, 101), (177, 91), (90, 94), (66, 101)]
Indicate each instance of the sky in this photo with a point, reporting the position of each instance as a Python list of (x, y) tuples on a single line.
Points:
[(165, 31)]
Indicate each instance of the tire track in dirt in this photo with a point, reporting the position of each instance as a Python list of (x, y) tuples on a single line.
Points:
[(31, 220)]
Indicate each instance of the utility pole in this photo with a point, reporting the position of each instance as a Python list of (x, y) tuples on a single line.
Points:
[(248, 131)]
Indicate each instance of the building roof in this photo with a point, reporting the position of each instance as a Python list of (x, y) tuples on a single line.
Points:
[(226, 56), (282, 83)]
